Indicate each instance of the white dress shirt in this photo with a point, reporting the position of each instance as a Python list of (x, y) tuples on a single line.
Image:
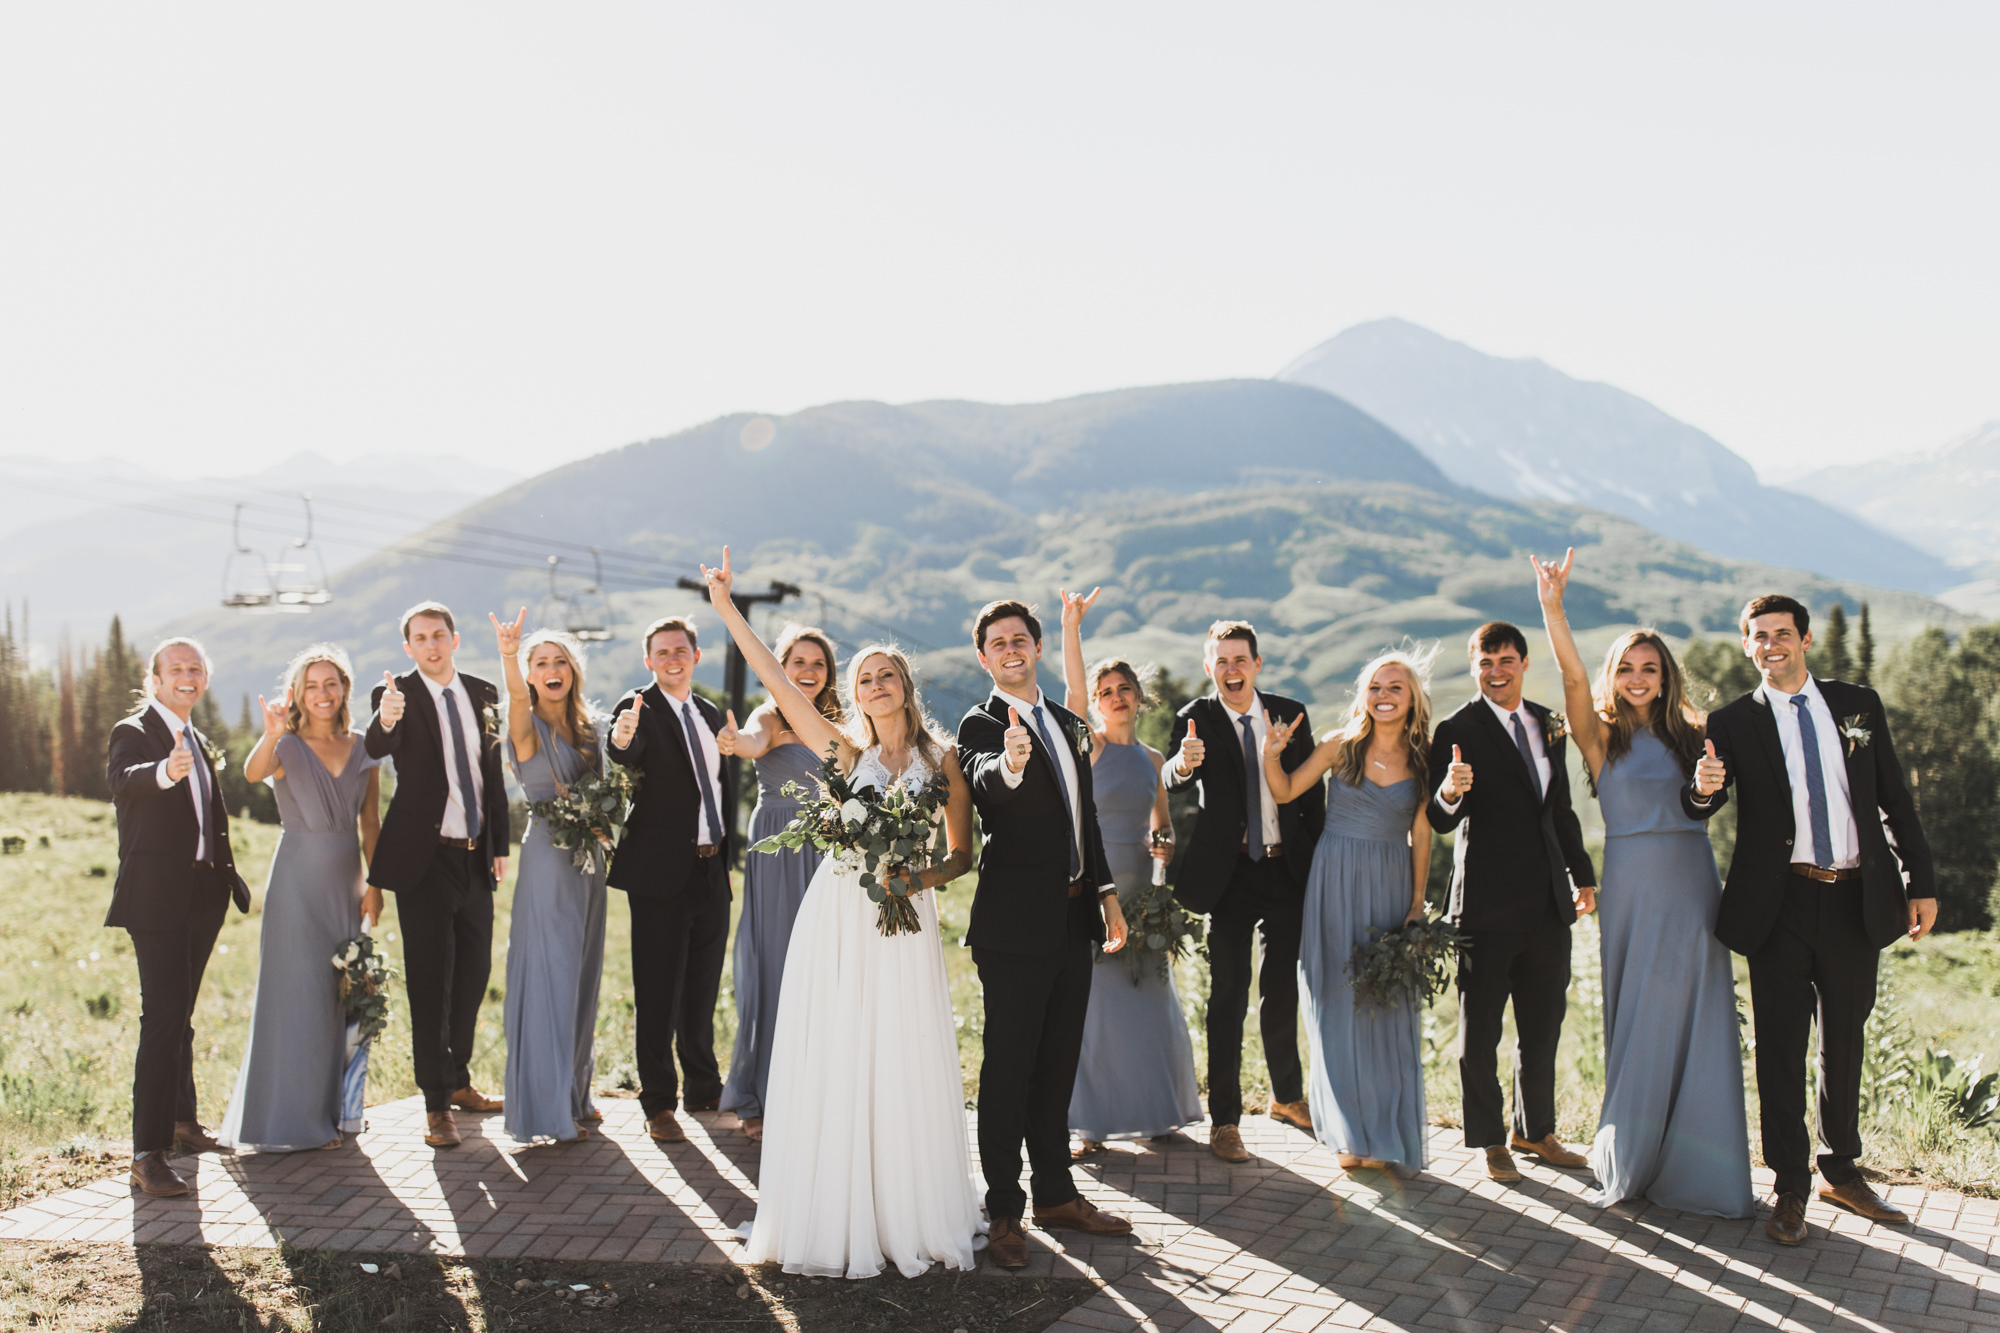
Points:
[(1845, 853), (1536, 747), (1064, 760), (186, 731), (711, 758), (454, 825)]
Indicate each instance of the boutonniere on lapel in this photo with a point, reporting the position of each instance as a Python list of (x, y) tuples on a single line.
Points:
[(1855, 732), (1080, 733), (217, 759), (489, 720), (1554, 729)]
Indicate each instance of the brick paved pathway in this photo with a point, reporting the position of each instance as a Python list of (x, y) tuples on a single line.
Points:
[(1285, 1242)]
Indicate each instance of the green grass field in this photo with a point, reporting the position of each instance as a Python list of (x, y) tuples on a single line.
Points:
[(69, 1010)]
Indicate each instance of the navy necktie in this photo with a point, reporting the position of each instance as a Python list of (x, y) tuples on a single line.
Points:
[(207, 796), (1253, 793), (1062, 785), (467, 795), (1822, 822), (700, 758), (1527, 754)]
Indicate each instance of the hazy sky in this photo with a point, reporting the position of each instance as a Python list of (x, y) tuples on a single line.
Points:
[(532, 233)]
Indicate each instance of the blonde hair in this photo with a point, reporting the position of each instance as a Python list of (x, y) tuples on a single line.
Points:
[(1355, 733), (582, 724), (295, 683), (1676, 721), (861, 729), (828, 698)]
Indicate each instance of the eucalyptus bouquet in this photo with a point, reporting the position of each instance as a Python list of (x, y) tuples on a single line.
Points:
[(888, 834), (1160, 932), (361, 981), (587, 817), (1413, 962)]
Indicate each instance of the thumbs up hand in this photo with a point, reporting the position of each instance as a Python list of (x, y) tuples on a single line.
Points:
[(725, 740), (627, 724), (1015, 745), (1191, 753), (181, 762), (1709, 773), (1457, 778), (390, 710)]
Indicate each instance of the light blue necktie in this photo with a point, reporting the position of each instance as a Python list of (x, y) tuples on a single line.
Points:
[(1822, 823), (700, 758), (471, 797), (1062, 785), (1253, 793)]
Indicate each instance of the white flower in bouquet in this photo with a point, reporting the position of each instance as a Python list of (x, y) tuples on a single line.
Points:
[(853, 811)]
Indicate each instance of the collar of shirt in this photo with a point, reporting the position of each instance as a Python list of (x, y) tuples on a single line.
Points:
[(437, 690), (170, 717), (1507, 717), (1006, 700), (1255, 712), (1771, 698)]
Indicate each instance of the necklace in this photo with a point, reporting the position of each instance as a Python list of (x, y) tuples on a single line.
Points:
[(1378, 763)]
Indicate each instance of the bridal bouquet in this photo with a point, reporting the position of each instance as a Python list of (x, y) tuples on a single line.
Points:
[(887, 834), (588, 816), (1160, 932), (1411, 962), (362, 983)]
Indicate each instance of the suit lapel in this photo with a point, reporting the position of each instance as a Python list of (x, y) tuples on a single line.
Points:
[(1765, 723), (1519, 767), (417, 695), (670, 714), (1227, 720), (1834, 692)]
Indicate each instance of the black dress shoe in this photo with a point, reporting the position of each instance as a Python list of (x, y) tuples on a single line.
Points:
[(1788, 1220)]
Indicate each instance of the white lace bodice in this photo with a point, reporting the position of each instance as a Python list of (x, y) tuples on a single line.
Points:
[(869, 771)]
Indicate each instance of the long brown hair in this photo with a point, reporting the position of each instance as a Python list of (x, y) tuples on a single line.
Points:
[(582, 725), (295, 682), (828, 698), (1676, 721), (1354, 734), (861, 729)]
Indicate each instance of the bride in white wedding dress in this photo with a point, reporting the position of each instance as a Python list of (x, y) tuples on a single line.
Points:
[(865, 1155)]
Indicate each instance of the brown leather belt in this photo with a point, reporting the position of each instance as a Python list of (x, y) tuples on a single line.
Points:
[(707, 849), (458, 844), (1272, 850), (1810, 871)]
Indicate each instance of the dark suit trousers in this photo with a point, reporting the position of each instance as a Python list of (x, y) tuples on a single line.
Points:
[(447, 925), (1035, 1008), (1531, 967), (1260, 898), (1816, 963), (171, 963), (678, 945)]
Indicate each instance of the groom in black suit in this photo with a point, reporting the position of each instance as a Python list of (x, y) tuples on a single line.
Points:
[(1815, 892), (1247, 871), (673, 864), (176, 875), (1520, 851), (1045, 903), (442, 851)]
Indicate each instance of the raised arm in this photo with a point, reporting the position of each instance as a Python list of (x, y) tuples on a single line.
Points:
[(520, 704), (1286, 787), (805, 719), (754, 740), (1551, 582), (263, 759), (1076, 690)]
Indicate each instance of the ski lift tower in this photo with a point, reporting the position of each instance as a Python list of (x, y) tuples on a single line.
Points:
[(734, 667)]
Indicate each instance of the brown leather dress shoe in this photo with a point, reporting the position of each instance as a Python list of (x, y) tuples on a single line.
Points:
[(469, 1098), (1226, 1142), (1296, 1114), (1080, 1214), (1788, 1220), (1007, 1244), (152, 1174), (1856, 1197), (441, 1131), (712, 1104), (1500, 1164), (190, 1136), (666, 1129), (1550, 1150)]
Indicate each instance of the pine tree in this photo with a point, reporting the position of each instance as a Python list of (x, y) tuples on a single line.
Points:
[(1864, 657), (1838, 661), (69, 763)]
